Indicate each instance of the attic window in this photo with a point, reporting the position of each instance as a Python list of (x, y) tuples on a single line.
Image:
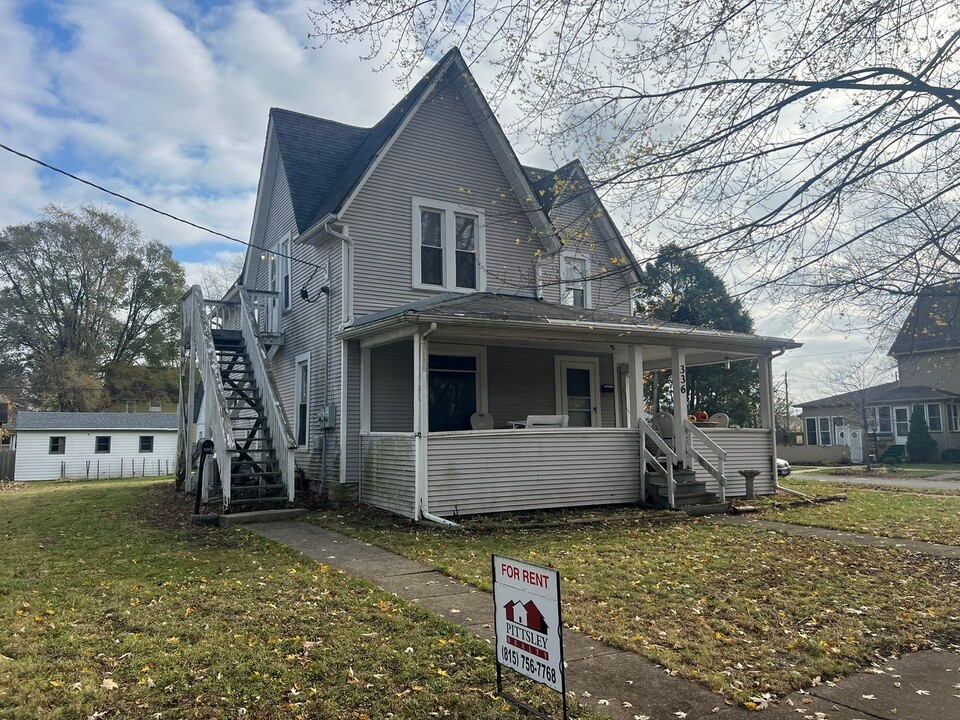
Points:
[(448, 246), (575, 287)]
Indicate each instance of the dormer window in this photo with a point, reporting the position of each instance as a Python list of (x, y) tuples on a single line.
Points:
[(448, 246), (575, 287)]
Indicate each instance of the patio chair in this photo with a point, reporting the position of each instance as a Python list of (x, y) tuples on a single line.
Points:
[(721, 419), (547, 421), (663, 426), (481, 421)]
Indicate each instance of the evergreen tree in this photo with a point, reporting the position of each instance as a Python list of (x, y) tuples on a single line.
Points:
[(678, 287), (921, 447)]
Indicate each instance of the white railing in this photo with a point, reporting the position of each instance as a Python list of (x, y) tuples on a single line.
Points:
[(285, 442), (666, 468), (715, 470), (265, 306), (222, 314), (216, 416)]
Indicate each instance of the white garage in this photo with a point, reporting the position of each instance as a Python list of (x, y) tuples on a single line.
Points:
[(54, 445)]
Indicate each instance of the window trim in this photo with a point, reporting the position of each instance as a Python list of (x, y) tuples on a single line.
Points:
[(298, 361), (874, 426), (448, 244), (953, 415), (96, 442), (587, 290), (153, 444), (286, 281), (926, 416), (62, 445)]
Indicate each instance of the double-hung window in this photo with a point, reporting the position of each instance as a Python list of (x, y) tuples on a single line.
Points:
[(954, 412), (448, 246), (283, 260), (102, 444), (302, 395), (575, 287), (934, 420)]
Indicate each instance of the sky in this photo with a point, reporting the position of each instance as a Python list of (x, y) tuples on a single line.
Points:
[(167, 102)]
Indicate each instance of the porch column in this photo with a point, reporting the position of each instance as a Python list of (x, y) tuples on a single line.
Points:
[(635, 391), (421, 412), (765, 364), (678, 365)]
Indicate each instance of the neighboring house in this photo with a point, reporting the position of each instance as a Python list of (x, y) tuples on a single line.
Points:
[(52, 445), (438, 295), (927, 351)]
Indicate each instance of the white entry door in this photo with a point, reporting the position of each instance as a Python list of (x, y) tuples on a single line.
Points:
[(901, 425), (578, 390)]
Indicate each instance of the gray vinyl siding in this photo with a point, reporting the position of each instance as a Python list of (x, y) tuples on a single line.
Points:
[(747, 449), (504, 470), (522, 381), (575, 219), (388, 473), (441, 155), (351, 409), (391, 387), (304, 328)]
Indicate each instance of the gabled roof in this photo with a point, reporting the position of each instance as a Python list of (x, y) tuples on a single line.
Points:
[(545, 182), (933, 323), (95, 421), (891, 392)]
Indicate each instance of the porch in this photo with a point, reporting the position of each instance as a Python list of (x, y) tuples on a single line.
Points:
[(423, 384)]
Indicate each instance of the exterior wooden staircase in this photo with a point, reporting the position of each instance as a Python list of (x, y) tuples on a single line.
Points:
[(252, 464), (255, 473)]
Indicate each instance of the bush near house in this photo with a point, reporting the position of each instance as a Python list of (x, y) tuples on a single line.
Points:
[(950, 455), (921, 447)]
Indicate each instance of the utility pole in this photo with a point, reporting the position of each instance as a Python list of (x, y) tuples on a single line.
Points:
[(786, 397)]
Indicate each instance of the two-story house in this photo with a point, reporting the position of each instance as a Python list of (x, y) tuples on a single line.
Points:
[(435, 329), (927, 352)]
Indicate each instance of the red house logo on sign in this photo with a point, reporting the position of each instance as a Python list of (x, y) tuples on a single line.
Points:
[(526, 628)]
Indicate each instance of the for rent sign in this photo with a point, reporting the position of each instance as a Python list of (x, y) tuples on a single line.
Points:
[(527, 617)]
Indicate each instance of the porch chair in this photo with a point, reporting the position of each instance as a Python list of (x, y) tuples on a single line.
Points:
[(663, 426), (547, 421), (481, 421), (721, 419)]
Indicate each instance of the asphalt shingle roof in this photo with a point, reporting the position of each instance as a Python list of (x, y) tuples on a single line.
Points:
[(324, 160), (933, 322), (95, 421), (891, 392)]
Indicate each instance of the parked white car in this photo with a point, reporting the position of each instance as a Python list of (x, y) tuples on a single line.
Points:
[(783, 468)]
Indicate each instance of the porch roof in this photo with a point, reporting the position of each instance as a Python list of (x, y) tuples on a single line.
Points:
[(491, 314)]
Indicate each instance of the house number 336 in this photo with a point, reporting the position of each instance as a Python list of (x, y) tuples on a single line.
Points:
[(683, 379)]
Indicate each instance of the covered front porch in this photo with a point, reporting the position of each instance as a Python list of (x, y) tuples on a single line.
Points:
[(445, 397)]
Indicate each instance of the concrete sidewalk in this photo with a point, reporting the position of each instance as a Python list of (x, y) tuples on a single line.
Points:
[(622, 684)]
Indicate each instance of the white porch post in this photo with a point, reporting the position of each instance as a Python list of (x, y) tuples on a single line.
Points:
[(678, 360), (365, 390), (765, 364), (421, 411), (635, 391)]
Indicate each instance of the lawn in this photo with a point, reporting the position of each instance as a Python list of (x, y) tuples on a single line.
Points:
[(112, 608), (917, 472), (891, 512), (741, 610)]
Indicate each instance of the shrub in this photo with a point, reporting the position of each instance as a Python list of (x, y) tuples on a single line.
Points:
[(921, 447), (951, 455)]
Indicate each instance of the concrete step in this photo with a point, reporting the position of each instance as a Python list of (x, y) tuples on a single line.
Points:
[(261, 516)]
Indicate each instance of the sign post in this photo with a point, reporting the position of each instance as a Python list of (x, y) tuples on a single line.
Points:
[(528, 626)]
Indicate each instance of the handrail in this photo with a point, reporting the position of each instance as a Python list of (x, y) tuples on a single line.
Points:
[(715, 471), (216, 415), (646, 431), (276, 418)]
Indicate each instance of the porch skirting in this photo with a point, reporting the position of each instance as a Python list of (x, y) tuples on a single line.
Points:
[(387, 472), (502, 470)]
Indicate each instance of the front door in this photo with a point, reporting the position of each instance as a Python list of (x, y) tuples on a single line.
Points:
[(578, 391), (901, 425)]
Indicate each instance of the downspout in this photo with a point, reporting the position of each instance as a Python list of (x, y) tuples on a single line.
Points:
[(326, 380), (420, 436)]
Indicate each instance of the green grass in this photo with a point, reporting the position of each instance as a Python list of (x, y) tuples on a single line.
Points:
[(890, 512), (881, 471), (939, 467), (112, 608), (741, 610)]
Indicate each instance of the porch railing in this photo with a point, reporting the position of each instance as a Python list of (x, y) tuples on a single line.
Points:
[(665, 468), (280, 429), (197, 326), (715, 469)]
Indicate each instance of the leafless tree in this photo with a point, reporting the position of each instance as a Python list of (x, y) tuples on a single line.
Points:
[(217, 277), (811, 145)]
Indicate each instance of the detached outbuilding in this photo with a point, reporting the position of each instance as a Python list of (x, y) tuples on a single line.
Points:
[(53, 445)]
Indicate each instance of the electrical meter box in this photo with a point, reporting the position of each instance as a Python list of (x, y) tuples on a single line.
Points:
[(327, 416)]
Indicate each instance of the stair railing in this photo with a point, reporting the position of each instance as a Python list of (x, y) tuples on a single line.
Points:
[(216, 413), (715, 469), (285, 443), (665, 469)]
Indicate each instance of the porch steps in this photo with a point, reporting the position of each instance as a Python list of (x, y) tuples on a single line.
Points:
[(256, 482), (688, 491)]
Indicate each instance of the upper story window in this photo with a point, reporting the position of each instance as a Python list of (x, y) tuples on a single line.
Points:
[(448, 246), (575, 287)]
